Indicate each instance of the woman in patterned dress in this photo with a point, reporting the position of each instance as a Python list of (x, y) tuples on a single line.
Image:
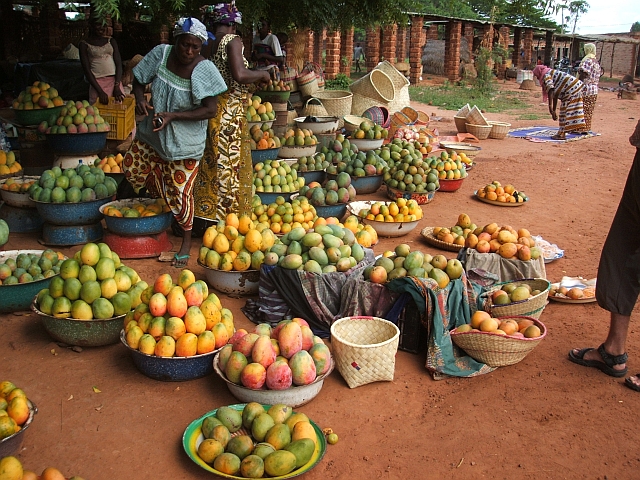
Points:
[(166, 152), (224, 181), (589, 73), (569, 90)]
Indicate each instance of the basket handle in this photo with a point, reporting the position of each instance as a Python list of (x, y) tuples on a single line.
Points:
[(318, 102)]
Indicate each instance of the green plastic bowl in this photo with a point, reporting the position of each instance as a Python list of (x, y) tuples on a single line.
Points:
[(28, 118)]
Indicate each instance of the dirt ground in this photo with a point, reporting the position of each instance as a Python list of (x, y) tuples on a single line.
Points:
[(541, 418)]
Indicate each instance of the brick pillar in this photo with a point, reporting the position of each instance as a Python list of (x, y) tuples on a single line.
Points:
[(372, 48), (517, 40), (452, 36), (528, 47), (487, 37), (332, 58), (389, 33), (504, 43), (432, 32), (308, 47), (346, 51), (468, 34), (401, 44), (415, 49), (318, 46), (548, 47)]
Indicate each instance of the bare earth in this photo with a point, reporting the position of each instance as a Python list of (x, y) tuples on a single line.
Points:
[(542, 418)]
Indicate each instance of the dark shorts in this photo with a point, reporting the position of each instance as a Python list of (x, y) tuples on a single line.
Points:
[(618, 283)]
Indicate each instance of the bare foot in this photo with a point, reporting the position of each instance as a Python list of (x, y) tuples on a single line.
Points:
[(633, 382)]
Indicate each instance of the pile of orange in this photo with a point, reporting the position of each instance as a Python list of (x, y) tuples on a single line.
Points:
[(402, 210), (496, 192), (8, 163), (110, 164)]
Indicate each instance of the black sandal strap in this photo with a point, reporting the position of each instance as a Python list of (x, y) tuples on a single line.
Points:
[(611, 360)]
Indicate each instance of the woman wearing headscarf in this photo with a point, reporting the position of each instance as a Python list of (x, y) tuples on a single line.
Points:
[(224, 182), (166, 152), (569, 90), (589, 72)]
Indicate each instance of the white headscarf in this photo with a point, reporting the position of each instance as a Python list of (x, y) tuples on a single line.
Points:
[(192, 26), (589, 50)]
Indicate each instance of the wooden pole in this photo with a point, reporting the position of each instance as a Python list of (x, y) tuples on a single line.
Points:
[(613, 49)]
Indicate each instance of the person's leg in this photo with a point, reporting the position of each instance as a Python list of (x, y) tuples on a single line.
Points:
[(589, 106)]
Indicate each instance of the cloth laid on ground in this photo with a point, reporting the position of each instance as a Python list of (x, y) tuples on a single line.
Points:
[(446, 308), (505, 269), (316, 298), (543, 134), (360, 297)]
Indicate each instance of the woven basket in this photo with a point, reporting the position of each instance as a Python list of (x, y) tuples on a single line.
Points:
[(411, 114), (531, 307), (352, 122), (476, 117), (289, 75), (627, 95), (427, 234), (400, 85), (365, 349), (379, 115), (481, 132), (423, 118), (361, 104), (499, 130), (400, 119), (461, 124), (317, 69), (375, 85), (315, 108), (307, 83), (498, 350), (337, 103), (464, 111)]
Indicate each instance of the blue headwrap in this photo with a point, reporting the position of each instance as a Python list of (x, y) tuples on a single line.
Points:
[(193, 26)]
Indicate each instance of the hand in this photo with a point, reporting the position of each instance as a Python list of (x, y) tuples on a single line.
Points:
[(143, 107), (164, 117), (104, 98), (118, 93), (554, 115)]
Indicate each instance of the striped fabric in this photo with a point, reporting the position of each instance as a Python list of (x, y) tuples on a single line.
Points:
[(569, 91)]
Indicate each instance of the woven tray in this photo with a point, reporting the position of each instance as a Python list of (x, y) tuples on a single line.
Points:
[(498, 350), (531, 307), (427, 234)]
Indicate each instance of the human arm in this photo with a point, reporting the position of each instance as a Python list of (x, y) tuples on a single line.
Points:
[(207, 109), (118, 93), (553, 103), (86, 67), (239, 72), (142, 106)]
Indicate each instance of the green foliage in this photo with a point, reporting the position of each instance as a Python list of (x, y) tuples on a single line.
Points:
[(485, 59), (341, 82), (635, 27), (454, 97)]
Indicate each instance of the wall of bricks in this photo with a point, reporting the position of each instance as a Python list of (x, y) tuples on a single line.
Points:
[(318, 45), (528, 47), (624, 55), (332, 57), (389, 33), (346, 51), (453, 35), (468, 34), (517, 42), (372, 48), (415, 49), (504, 42), (401, 44), (432, 32)]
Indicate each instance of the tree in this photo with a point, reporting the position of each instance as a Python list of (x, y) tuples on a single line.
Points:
[(635, 27), (576, 9)]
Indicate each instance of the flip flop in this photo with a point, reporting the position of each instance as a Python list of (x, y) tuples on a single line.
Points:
[(178, 260), (605, 365), (166, 256), (631, 385)]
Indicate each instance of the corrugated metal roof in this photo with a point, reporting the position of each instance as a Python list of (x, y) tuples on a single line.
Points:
[(440, 18)]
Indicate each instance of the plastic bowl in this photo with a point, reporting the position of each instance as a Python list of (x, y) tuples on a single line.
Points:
[(82, 213), (296, 151), (77, 143), (18, 199), (12, 444), (28, 118), (85, 333), (293, 396), (321, 125), (18, 297), (136, 226), (364, 145), (450, 185), (383, 229), (258, 156), (325, 211), (268, 198), (422, 198), (171, 369), (233, 283)]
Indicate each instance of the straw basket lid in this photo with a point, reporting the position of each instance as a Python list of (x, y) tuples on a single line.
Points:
[(376, 85), (364, 349), (464, 111), (351, 122)]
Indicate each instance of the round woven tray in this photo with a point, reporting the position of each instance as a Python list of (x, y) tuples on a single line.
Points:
[(531, 307), (427, 234)]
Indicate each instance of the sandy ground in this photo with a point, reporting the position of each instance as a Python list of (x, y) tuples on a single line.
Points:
[(541, 418)]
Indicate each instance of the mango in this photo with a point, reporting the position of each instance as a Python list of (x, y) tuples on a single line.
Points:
[(233, 369), (303, 368), (253, 376), (304, 430), (280, 412), (321, 356), (279, 436), (221, 434), (241, 446), (166, 347), (263, 352), (208, 424), (290, 339), (194, 294), (303, 450), (276, 331), (331, 241), (291, 262), (230, 418), (279, 463), (223, 356), (295, 418), (209, 450), (261, 425), (312, 266), (245, 344), (221, 334), (252, 466), (263, 449), (307, 336), (312, 239), (227, 462), (250, 411), (194, 320), (319, 255), (238, 334), (279, 376), (176, 303), (187, 345)]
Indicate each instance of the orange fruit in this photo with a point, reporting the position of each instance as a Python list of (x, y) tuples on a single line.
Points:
[(478, 317)]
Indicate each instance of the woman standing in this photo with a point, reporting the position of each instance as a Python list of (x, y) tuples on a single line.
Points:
[(224, 182), (589, 72), (166, 152), (569, 90)]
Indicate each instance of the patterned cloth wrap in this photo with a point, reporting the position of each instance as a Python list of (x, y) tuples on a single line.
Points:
[(223, 13)]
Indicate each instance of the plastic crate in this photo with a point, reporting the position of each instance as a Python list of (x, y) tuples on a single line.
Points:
[(413, 334), (121, 117)]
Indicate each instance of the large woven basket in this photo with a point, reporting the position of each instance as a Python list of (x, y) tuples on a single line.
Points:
[(361, 104), (337, 103), (476, 117), (461, 123), (464, 111), (499, 130), (531, 307), (307, 83), (365, 349), (498, 350), (481, 132), (376, 85), (400, 85)]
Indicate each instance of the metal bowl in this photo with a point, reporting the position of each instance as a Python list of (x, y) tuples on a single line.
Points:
[(313, 176), (18, 199), (352, 122), (321, 125), (270, 197), (258, 156), (34, 117), (273, 97), (85, 333), (368, 184), (383, 229), (236, 284), (364, 144), (171, 369), (469, 149), (18, 297), (422, 198), (293, 396), (12, 444), (136, 226), (325, 211), (77, 143), (450, 185), (82, 213), (297, 151)]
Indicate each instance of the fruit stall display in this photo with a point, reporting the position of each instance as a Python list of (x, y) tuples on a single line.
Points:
[(297, 142), (453, 238), (497, 194), (506, 241), (12, 469), (333, 192), (408, 172), (72, 185), (259, 110), (282, 216), (276, 176), (8, 164), (75, 117), (263, 138)]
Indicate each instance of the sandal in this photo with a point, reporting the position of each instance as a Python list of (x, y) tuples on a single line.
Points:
[(605, 365), (631, 385), (558, 137), (180, 261)]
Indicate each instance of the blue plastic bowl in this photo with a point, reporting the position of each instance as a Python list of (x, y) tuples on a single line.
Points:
[(270, 197), (77, 143), (369, 184), (258, 156), (313, 176), (136, 226), (171, 369), (82, 213), (325, 211)]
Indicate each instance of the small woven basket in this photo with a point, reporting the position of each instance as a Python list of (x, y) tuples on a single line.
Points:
[(499, 130), (411, 114), (531, 307), (464, 111), (475, 117), (376, 85), (427, 234), (423, 118), (461, 124), (481, 132), (315, 108), (365, 349), (379, 115), (498, 350), (307, 83)]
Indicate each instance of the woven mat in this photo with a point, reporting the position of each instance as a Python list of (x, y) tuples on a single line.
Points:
[(543, 135)]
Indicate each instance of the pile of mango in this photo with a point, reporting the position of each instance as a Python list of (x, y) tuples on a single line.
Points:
[(341, 149), (498, 193), (110, 163), (178, 319), (72, 185), (311, 163), (511, 327), (333, 192), (11, 469), (14, 409), (407, 169), (512, 292), (277, 359), (38, 96), (366, 235), (259, 111), (8, 163), (30, 267), (276, 176), (93, 284), (279, 441), (282, 216), (400, 210), (370, 132), (262, 137), (402, 262), (76, 117), (17, 185), (146, 208), (458, 233), (506, 241), (360, 165), (448, 168), (296, 137)]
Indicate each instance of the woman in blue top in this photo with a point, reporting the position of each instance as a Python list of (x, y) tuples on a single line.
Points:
[(165, 154)]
